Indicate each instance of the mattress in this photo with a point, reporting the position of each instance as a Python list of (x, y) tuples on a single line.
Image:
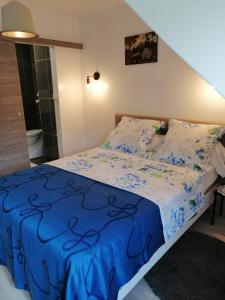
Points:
[(208, 178), (68, 209), (178, 191)]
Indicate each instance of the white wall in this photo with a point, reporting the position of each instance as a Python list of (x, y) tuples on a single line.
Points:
[(56, 26), (167, 88), (68, 93), (194, 29)]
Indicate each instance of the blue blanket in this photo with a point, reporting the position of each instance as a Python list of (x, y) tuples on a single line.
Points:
[(64, 236)]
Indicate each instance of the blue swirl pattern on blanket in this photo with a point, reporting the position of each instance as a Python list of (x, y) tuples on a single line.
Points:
[(64, 236)]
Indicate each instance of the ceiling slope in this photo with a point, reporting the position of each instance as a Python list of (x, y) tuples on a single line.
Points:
[(73, 8), (194, 29)]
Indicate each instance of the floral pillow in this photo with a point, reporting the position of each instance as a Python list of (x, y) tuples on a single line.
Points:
[(154, 146), (189, 144), (133, 136)]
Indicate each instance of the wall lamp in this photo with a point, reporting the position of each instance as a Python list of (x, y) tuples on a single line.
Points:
[(96, 76)]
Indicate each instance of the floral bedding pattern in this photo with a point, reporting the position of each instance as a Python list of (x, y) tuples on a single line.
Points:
[(133, 136), (188, 144), (176, 190)]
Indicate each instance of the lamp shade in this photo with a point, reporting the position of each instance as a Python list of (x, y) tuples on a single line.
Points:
[(17, 21)]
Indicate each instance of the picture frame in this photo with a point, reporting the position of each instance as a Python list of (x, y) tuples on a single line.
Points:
[(141, 48)]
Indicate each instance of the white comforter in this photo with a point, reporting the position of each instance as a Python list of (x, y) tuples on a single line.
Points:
[(178, 191)]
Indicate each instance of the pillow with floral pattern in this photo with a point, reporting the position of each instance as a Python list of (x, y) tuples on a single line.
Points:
[(133, 136), (188, 144), (154, 146)]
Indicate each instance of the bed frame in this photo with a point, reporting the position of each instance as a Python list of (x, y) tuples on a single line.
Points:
[(124, 291), (118, 117)]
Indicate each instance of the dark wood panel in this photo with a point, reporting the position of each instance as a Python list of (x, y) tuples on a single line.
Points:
[(9, 90), (18, 154), (13, 157), (11, 113), (10, 170), (45, 42), (13, 142), (16, 134)]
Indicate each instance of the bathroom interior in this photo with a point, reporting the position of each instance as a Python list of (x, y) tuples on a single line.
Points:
[(34, 63)]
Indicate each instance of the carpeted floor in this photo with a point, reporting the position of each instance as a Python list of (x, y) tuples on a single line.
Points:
[(194, 269)]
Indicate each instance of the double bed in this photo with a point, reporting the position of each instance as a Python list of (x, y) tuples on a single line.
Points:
[(91, 225)]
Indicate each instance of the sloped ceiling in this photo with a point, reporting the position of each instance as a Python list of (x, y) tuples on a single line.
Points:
[(74, 8), (194, 29)]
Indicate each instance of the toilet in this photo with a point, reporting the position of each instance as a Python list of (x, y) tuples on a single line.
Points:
[(35, 143)]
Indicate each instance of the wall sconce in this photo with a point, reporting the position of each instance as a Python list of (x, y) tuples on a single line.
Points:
[(17, 21), (96, 76)]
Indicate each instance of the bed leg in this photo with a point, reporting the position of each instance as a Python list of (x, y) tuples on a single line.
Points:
[(221, 205), (214, 208)]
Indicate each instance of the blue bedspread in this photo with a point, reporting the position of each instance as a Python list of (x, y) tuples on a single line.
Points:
[(64, 236)]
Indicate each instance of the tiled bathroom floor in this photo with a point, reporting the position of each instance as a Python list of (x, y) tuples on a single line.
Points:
[(38, 161)]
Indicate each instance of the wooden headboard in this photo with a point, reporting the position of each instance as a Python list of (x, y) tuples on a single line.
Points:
[(118, 117)]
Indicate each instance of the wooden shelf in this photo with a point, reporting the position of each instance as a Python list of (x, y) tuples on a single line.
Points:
[(44, 42)]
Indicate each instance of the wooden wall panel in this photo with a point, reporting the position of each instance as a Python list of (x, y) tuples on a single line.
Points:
[(13, 143)]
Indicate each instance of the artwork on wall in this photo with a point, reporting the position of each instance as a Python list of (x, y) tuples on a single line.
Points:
[(141, 48)]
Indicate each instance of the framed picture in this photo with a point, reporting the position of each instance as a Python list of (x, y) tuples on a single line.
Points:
[(141, 48)]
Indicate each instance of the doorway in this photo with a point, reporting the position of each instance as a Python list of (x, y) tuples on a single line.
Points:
[(34, 64)]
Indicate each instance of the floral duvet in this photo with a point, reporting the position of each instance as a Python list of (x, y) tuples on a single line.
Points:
[(176, 190)]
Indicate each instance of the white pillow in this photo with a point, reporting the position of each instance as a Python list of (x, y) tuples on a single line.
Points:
[(133, 136), (189, 144)]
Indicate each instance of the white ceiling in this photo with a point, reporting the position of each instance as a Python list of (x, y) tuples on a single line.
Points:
[(74, 8)]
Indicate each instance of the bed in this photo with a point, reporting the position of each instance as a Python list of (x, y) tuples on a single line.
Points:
[(91, 225)]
